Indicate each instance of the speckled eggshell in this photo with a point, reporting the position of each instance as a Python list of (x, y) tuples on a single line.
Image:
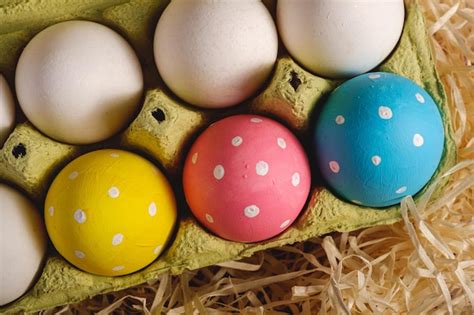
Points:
[(79, 82), (23, 244), (110, 212), (215, 54), (7, 110), (246, 178), (378, 139), (338, 39)]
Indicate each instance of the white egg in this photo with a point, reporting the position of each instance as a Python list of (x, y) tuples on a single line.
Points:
[(337, 39), (215, 54), (22, 244), (79, 82), (7, 110)]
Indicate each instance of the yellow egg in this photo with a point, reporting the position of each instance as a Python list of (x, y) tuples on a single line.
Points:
[(110, 212)]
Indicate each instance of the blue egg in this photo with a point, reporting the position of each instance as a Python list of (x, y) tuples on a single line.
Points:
[(379, 138)]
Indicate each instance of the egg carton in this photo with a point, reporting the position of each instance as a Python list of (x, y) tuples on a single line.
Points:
[(164, 130)]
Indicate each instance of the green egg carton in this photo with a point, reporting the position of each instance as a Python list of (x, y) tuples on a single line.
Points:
[(165, 128)]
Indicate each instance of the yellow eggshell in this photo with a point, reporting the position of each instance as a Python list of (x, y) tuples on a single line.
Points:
[(110, 212)]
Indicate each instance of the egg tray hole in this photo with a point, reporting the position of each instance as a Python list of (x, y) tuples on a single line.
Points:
[(19, 151), (294, 81), (159, 115)]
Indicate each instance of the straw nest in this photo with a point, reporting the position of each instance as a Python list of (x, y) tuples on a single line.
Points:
[(423, 264)]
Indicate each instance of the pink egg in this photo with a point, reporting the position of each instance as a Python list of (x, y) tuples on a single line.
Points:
[(246, 178)]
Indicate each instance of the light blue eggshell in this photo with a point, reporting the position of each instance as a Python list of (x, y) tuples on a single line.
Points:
[(378, 138)]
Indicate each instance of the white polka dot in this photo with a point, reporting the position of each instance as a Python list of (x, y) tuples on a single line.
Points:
[(118, 268), (262, 168), (251, 211), (385, 112), (357, 202), (401, 190), (295, 179), (114, 155), (79, 254), (152, 209), (114, 192), (209, 218), (219, 172), (374, 76), (117, 239), (73, 175), (281, 143), (80, 216), (51, 211), (236, 141), (157, 249), (376, 160), (340, 120), (284, 224), (256, 120), (194, 158), (418, 140), (334, 166), (420, 98)]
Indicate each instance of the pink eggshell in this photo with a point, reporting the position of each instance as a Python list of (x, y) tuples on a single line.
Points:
[(246, 178)]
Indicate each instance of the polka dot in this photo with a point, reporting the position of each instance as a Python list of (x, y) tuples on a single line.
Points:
[(374, 76), (401, 190), (157, 249), (51, 211), (251, 211), (418, 140), (118, 268), (152, 209), (255, 120), (357, 202), (79, 254), (420, 98), (80, 216), (114, 192), (385, 112), (194, 158), (209, 218), (281, 143), (340, 119), (285, 224), (117, 239), (262, 168), (295, 179), (237, 141), (334, 166), (219, 172), (376, 160), (114, 155), (73, 175)]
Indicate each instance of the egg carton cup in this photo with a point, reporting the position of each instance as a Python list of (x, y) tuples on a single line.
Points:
[(164, 130)]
